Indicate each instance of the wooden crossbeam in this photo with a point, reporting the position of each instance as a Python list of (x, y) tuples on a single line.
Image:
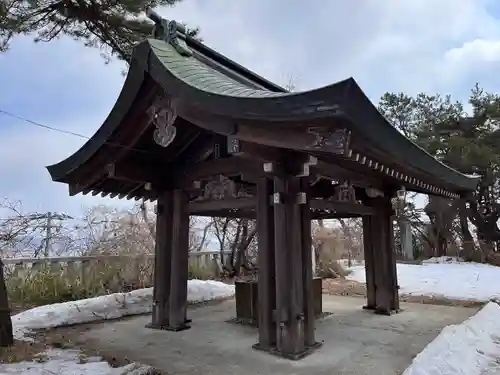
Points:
[(335, 172), (163, 177), (341, 207), (198, 208)]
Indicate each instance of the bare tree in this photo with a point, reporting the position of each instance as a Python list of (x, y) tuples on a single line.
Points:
[(290, 82), (239, 236), (110, 231), (19, 233), (352, 230)]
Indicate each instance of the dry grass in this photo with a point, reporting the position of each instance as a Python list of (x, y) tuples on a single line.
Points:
[(343, 287), (21, 351), (61, 338), (49, 284)]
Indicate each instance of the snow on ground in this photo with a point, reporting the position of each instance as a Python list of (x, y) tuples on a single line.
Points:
[(456, 280), (470, 348), (442, 260), (88, 310), (72, 362), (111, 306)]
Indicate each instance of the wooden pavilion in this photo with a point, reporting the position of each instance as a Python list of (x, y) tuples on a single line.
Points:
[(204, 136)]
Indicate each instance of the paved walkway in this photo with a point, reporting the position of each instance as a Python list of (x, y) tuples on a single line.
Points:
[(355, 341)]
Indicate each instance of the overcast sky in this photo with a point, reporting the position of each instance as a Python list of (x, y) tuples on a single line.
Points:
[(440, 46)]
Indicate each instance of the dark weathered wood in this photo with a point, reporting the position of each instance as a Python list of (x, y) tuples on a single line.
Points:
[(295, 274), (341, 207), (247, 306), (171, 176), (134, 173), (258, 152), (281, 233), (247, 303), (180, 262), (266, 264), (199, 207), (379, 238), (316, 215), (291, 341), (163, 261), (385, 261), (371, 302), (393, 273), (228, 166), (338, 171), (307, 272), (239, 214)]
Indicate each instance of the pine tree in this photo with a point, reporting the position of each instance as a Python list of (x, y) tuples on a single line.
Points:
[(467, 142), (112, 26)]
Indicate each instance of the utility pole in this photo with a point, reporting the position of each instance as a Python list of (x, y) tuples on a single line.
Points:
[(49, 224), (48, 235)]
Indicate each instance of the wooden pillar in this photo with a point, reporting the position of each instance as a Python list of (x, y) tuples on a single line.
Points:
[(392, 265), (307, 262), (180, 263), (370, 270), (294, 302), (282, 231), (386, 289), (295, 274), (266, 265), (162, 265)]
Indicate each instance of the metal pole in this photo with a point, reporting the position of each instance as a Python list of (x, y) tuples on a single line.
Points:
[(48, 234)]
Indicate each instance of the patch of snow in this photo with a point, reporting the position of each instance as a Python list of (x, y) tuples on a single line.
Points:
[(470, 348), (72, 362), (442, 259), (110, 306), (462, 281)]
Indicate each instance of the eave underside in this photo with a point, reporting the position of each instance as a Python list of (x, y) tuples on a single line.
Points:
[(137, 160)]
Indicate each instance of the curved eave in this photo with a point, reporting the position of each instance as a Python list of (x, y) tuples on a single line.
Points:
[(192, 81), (128, 94), (359, 110)]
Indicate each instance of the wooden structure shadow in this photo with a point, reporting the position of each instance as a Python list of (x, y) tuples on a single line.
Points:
[(204, 136)]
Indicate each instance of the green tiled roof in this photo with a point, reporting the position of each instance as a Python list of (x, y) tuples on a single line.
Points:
[(203, 77)]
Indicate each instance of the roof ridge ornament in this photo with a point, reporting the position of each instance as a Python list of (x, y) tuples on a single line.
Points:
[(170, 31)]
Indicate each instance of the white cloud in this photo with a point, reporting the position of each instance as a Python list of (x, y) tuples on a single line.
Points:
[(392, 45), (385, 45)]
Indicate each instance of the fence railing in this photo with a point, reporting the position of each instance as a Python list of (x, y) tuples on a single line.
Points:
[(119, 269)]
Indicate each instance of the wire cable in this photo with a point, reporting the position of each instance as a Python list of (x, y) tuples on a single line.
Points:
[(52, 128)]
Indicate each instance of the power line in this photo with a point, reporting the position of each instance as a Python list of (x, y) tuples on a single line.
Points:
[(40, 125), (52, 128)]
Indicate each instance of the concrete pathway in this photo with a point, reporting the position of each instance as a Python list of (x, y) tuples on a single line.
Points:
[(355, 341)]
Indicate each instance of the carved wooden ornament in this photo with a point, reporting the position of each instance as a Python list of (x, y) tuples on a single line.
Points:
[(162, 114)]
